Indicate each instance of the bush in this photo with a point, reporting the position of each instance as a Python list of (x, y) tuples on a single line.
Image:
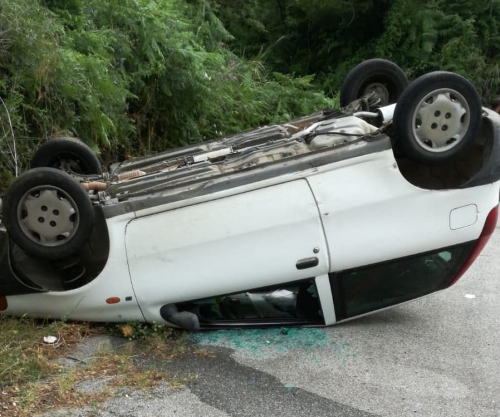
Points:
[(131, 77)]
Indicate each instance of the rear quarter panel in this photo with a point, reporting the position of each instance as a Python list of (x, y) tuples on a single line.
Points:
[(371, 213)]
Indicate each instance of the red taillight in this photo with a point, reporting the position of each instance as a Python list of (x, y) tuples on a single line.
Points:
[(488, 229)]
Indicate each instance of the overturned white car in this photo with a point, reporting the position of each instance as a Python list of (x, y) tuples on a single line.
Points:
[(309, 222)]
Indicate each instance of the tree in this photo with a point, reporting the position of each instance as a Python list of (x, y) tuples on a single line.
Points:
[(132, 76)]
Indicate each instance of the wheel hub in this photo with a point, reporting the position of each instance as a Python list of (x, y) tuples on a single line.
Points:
[(48, 216), (380, 91), (69, 165), (441, 120)]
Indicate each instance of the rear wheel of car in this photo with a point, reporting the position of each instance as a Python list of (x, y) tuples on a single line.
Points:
[(384, 78), (67, 154), (437, 117), (48, 214)]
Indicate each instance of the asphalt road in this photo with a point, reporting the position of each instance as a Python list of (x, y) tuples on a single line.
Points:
[(438, 356)]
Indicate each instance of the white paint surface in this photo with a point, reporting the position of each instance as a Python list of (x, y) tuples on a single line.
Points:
[(371, 213), (228, 245)]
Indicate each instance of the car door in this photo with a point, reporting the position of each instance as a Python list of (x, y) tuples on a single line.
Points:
[(250, 240)]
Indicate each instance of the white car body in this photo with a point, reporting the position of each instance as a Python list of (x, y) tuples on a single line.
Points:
[(347, 214)]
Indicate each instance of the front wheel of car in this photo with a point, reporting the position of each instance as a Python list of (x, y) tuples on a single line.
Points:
[(48, 214), (437, 118), (379, 76)]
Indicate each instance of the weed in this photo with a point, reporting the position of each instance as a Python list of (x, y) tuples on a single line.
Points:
[(137, 330), (32, 381), (23, 355)]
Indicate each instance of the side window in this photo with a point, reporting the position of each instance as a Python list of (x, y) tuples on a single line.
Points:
[(296, 302), (362, 290)]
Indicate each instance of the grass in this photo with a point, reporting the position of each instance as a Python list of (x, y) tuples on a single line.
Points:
[(23, 355), (33, 381)]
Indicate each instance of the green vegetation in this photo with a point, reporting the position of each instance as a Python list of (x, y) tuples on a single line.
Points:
[(327, 38), (35, 380), (130, 77), (136, 330)]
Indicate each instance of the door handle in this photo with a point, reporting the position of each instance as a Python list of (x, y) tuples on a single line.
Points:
[(307, 263)]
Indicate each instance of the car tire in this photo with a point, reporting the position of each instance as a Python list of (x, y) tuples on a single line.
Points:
[(384, 77), (48, 214), (437, 118), (67, 154)]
